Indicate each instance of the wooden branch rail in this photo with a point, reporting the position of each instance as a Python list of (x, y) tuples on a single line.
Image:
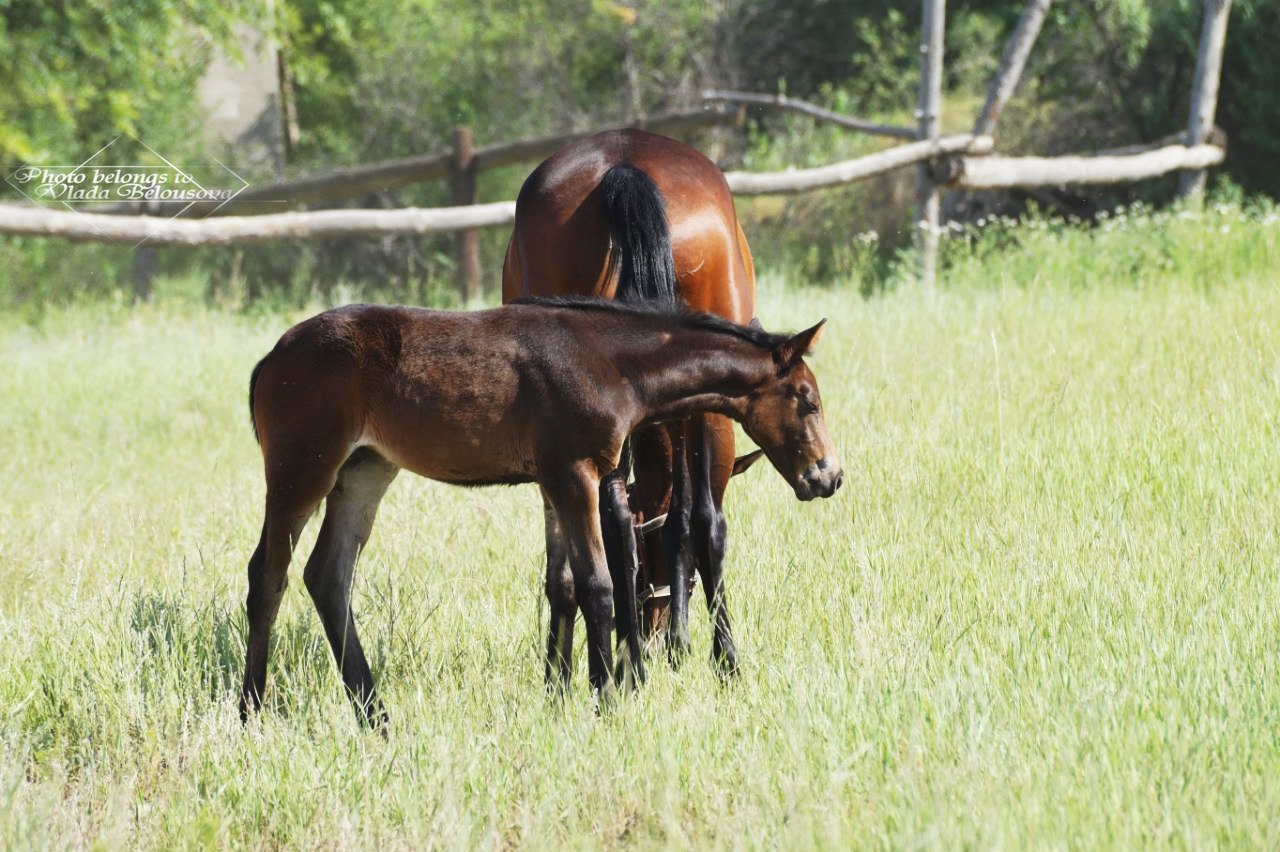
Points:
[(965, 154), (835, 174), (848, 122), (971, 168), (995, 172), (319, 224), (326, 224)]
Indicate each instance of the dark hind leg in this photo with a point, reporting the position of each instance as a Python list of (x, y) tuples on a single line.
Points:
[(299, 475), (676, 546), (563, 604), (268, 576), (711, 464), (619, 536), (349, 513), (575, 495)]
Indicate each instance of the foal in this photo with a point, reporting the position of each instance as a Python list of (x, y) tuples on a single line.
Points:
[(545, 391)]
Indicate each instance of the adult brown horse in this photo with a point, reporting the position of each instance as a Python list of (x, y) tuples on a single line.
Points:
[(544, 392), (639, 217)]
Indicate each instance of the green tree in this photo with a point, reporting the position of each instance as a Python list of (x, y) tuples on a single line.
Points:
[(76, 74)]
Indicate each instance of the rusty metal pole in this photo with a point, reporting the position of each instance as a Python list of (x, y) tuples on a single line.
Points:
[(462, 186)]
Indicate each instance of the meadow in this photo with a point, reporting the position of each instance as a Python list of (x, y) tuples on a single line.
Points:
[(1041, 612)]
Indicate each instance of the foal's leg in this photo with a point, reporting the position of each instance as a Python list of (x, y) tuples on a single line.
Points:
[(349, 513), (711, 465), (288, 509), (618, 532), (563, 604), (576, 501), (676, 546)]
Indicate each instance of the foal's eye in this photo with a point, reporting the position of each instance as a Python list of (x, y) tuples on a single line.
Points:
[(807, 407)]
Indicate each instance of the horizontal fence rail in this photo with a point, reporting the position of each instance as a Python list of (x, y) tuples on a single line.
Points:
[(848, 171), (997, 172), (226, 230), (968, 165)]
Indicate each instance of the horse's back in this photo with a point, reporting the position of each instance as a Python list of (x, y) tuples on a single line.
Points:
[(561, 241), (464, 397)]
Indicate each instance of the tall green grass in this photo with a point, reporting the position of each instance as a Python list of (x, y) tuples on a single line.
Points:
[(1041, 612)]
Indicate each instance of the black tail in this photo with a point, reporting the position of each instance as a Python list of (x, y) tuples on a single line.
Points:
[(641, 250), (253, 381)]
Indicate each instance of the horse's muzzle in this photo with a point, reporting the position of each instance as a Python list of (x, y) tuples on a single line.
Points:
[(821, 479)]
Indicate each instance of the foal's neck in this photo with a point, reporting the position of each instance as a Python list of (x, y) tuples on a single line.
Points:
[(696, 371)]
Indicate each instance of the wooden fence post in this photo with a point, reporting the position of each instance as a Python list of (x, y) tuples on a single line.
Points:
[(143, 266), (462, 186), (927, 193), (1204, 94)]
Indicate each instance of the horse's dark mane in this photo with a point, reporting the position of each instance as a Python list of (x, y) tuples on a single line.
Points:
[(687, 319)]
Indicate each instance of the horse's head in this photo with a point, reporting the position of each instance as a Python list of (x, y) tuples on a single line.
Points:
[(784, 416)]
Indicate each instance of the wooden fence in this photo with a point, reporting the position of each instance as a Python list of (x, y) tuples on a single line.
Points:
[(962, 160)]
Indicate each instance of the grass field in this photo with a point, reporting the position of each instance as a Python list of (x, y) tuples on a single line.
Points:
[(1042, 612)]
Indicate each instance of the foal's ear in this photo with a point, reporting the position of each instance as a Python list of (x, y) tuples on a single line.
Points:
[(789, 352)]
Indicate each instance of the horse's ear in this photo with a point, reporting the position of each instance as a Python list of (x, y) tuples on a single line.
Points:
[(789, 352)]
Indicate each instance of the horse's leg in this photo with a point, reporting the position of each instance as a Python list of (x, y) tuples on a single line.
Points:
[(711, 466), (618, 533), (563, 604), (675, 544), (349, 513), (288, 509), (576, 497), (650, 494)]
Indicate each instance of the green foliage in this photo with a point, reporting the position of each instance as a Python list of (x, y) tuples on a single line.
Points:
[(1248, 108), (885, 59), (1131, 247), (396, 78), (79, 74)]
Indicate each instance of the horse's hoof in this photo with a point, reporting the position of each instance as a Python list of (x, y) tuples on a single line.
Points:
[(379, 723), (631, 675), (677, 649), (606, 698), (725, 662)]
